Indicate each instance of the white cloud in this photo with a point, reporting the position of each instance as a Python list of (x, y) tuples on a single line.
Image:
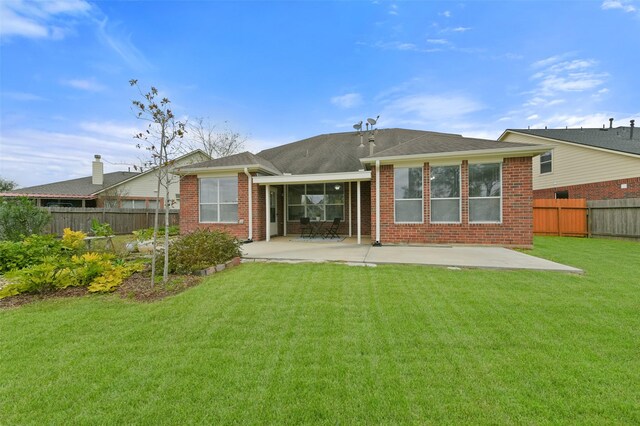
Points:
[(446, 14), (429, 108), (89, 85), (461, 29), (533, 117), (39, 19), (624, 5), (557, 75), (111, 35), (393, 9), (348, 100), (23, 97), (439, 41)]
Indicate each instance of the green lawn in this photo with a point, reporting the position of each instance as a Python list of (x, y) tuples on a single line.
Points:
[(328, 343)]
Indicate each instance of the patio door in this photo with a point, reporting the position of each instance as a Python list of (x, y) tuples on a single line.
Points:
[(273, 211)]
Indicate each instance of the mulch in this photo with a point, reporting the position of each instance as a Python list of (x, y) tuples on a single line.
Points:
[(136, 287)]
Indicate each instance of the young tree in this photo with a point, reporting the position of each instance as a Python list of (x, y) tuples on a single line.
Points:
[(7, 185), (216, 142), (161, 140)]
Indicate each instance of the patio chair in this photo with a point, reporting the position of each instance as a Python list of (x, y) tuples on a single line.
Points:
[(305, 227), (333, 229)]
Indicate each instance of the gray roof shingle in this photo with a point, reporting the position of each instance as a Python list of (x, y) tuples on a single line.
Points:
[(615, 139), (76, 187), (242, 159)]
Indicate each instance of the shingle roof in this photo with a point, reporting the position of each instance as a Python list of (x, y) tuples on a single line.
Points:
[(342, 152), (616, 139), (81, 187), (242, 159), (444, 143)]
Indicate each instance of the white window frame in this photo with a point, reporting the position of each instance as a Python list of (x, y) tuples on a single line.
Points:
[(459, 198), (483, 198), (408, 199), (324, 195), (218, 203), (549, 161)]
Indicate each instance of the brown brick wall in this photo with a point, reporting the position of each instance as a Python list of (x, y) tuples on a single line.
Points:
[(516, 229), (608, 190), (189, 214)]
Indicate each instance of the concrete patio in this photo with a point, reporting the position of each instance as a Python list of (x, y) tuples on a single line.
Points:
[(291, 249)]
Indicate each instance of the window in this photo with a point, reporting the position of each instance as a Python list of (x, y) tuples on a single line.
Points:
[(317, 201), (445, 194), (485, 192), (133, 204), (219, 199), (562, 195), (545, 162), (408, 194)]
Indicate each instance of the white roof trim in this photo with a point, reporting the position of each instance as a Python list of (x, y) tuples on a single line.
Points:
[(311, 178), (463, 155), (225, 169), (579, 145)]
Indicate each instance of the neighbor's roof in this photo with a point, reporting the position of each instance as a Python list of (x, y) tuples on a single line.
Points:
[(73, 188), (615, 139), (343, 152)]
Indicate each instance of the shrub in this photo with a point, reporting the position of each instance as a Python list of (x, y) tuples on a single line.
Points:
[(73, 240), (201, 249), (20, 218), (101, 229), (31, 251), (147, 233)]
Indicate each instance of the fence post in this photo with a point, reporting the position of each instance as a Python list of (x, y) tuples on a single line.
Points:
[(588, 222), (559, 210)]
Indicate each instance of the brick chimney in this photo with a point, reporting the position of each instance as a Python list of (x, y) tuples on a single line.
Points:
[(97, 175)]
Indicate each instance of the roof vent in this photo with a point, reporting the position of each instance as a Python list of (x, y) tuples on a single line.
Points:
[(633, 123), (611, 123)]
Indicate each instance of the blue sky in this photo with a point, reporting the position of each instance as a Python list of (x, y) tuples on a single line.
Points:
[(283, 71)]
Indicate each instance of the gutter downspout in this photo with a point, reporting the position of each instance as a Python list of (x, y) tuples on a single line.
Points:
[(250, 186), (377, 242)]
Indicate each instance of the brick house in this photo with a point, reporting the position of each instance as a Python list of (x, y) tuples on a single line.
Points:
[(590, 163), (394, 185)]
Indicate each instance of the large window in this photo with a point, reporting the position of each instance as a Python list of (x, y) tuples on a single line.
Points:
[(546, 162), (408, 194), (219, 199), (316, 201), (445, 194), (485, 192)]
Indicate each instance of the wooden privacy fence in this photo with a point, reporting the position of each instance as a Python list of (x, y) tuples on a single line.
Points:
[(560, 217), (122, 221), (614, 218)]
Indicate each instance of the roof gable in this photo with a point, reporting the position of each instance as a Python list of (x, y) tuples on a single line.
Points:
[(615, 139)]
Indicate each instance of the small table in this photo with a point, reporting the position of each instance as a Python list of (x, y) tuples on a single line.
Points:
[(107, 245), (316, 228)]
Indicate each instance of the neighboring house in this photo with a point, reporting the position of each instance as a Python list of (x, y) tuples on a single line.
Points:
[(595, 164), (134, 190), (396, 185)]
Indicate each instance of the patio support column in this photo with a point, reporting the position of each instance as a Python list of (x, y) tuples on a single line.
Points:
[(350, 233), (285, 212), (250, 191), (377, 242), (267, 211), (359, 214)]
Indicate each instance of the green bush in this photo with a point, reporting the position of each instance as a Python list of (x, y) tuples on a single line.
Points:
[(31, 251), (101, 229), (20, 218), (199, 250), (147, 233)]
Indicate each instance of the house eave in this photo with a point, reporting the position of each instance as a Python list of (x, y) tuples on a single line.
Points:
[(226, 169), (361, 175), (524, 151)]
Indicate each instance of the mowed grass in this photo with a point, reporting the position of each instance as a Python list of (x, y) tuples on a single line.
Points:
[(333, 344)]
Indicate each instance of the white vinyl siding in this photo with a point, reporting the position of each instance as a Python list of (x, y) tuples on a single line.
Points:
[(576, 165), (408, 195)]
